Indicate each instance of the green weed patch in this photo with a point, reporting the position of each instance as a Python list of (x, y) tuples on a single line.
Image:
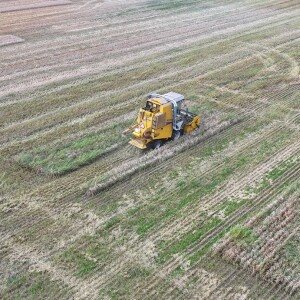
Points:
[(230, 206), (243, 235)]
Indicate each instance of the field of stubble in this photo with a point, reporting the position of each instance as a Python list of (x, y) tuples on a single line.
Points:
[(213, 215)]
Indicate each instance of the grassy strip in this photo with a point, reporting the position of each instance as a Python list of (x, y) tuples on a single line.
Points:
[(273, 175), (60, 159), (187, 241), (243, 235), (229, 206)]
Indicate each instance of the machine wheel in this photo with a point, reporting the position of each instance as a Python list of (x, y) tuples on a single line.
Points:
[(156, 144), (176, 134)]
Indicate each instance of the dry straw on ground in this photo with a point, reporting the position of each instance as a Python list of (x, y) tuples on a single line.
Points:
[(9, 39)]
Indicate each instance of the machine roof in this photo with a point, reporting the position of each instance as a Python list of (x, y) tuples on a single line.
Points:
[(160, 101), (171, 96)]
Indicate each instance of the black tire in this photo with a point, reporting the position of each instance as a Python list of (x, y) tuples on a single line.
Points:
[(156, 144), (176, 134)]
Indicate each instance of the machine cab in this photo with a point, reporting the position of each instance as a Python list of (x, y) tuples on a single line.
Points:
[(152, 107)]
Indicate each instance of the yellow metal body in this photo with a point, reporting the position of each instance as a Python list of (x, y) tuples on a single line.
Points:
[(155, 122)]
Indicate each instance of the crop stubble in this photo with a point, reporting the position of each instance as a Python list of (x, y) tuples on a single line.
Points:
[(252, 79)]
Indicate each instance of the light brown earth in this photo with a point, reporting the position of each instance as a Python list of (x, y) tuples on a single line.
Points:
[(214, 215)]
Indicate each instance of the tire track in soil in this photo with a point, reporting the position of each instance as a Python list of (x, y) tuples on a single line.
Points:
[(87, 116), (294, 72), (187, 49), (123, 68), (151, 26), (91, 9), (234, 29), (38, 199), (111, 93), (98, 56), (233, 219), (56, 78), (157, 235), (62, 125)]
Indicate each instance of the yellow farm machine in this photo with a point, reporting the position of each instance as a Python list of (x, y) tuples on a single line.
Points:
[(160, 120)]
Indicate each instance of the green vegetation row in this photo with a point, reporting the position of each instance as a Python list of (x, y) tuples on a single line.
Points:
[(69, 156)]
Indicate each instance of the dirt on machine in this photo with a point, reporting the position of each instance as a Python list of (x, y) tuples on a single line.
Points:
[(160, 120)]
